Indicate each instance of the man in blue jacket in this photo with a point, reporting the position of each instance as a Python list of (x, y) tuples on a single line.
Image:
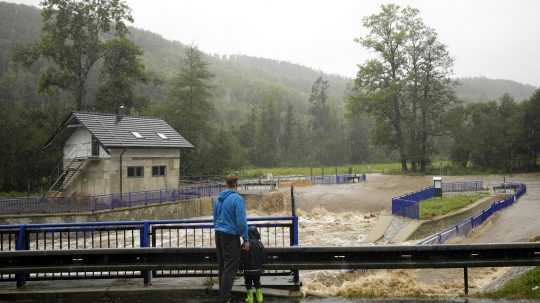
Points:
[(230, 224)]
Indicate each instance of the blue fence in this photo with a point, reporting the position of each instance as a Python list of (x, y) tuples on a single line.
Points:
[(408, 206), (275, 232), (465, 227), (103, 202)]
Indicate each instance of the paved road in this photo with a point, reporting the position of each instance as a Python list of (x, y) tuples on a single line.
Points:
[(519, 222)]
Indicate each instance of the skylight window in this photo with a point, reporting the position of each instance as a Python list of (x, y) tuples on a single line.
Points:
[(162, 136), (137, 135)]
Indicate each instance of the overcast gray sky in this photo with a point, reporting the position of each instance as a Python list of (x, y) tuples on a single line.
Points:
[(496, 39)]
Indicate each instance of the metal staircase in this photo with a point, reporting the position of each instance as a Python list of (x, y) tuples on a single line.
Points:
[(67, 175)]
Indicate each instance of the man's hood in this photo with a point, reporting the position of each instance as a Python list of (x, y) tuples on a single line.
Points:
[(224, 194)]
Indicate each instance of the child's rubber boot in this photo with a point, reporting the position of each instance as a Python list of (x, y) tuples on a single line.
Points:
[(259, 295), (249, 296)]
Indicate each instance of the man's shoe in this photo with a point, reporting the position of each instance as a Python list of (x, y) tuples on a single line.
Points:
[(249, 296), (259, 295)]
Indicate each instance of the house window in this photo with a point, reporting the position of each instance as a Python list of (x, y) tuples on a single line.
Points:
[(162, 136), (137, 135), (135, 171), (159, 171), (95, 147)]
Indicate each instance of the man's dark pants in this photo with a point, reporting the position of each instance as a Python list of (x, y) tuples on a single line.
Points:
[(228, 256)]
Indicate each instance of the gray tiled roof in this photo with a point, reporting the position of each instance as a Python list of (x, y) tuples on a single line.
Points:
[(115, 131)]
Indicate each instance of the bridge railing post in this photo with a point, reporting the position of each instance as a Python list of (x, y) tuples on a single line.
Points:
[(145, 242), (466, 280), (294, 242), (21, 244)]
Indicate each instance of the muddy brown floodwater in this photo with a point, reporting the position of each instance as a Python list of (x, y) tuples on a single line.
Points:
[(342, 215)]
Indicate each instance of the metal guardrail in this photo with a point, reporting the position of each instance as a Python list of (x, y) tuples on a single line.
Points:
[(25, 263), (467, 225), (190, 233), (104, 202), (117, 200), (462, 186)]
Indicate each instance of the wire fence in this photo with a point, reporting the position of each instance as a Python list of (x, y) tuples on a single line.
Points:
[(463, 186), (465, 227)]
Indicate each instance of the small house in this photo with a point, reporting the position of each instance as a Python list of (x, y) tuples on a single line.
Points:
[(109, 153)]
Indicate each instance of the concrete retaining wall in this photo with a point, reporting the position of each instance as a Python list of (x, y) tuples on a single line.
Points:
[(267, 202), (429, 227)]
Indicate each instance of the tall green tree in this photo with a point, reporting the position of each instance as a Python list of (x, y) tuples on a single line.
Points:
[(246, 134), (437, 95), (267, 138), (531, 125), (406, 87), (73, 41), (122, 70), (288, 137), (190, 108), (190, 92), (320, 122), (381, 80)]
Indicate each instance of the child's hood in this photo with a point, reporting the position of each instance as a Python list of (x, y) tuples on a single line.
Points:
[(253, 233)]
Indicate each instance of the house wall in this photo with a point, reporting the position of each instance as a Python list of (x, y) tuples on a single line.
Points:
[(102, 176), (79, 145)]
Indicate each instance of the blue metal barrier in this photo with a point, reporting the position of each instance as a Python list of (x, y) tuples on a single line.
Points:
[(275, 232), (104, 202), (465, 227), (407, 205)]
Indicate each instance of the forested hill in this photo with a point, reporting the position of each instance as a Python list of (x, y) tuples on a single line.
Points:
[(239, 79), (484, 89)]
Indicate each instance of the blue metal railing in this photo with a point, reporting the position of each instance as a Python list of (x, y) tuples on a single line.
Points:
[(281, 231), (466, 226), (103, 202)]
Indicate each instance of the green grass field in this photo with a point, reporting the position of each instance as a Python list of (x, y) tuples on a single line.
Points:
[(440, 206), (526, 286), (16, 194), (437, 167), (328, 170)]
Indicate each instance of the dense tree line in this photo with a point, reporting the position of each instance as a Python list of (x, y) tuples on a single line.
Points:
[(501, 134)]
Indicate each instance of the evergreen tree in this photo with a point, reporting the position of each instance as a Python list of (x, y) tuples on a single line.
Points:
[(190, 108), (268, 133), (288, 136), (320, 122)]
